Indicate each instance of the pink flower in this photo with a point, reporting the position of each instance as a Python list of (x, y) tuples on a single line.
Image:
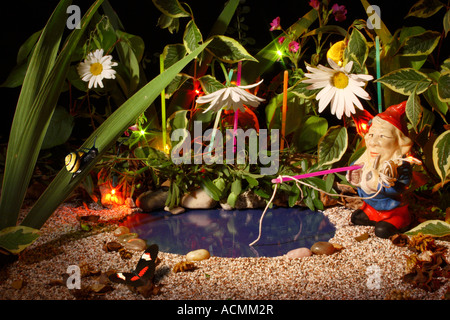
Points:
[(281, 40), (315, 4), (133, 128), (294, 46), (275, 24), (339, 12)]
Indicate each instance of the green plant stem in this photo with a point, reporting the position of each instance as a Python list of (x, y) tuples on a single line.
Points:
[(163, 106)]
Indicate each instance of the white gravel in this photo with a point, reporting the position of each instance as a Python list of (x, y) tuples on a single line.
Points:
[(368, 270)]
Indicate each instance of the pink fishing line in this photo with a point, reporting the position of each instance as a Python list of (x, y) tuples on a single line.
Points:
[(318, 173)]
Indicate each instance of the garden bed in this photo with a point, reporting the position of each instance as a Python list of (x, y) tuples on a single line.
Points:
[(370, 269)]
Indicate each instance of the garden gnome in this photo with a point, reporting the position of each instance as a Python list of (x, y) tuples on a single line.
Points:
[(385, 174)]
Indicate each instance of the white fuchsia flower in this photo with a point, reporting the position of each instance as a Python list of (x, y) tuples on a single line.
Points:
[(231, 98), (96, 67), (339, 87)]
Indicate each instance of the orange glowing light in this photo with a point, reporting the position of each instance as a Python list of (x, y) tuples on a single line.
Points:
[(111, 196), (362, 119), (167, 148), (411, 159)]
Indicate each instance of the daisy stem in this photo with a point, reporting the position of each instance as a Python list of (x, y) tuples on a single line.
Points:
[(227, 77)]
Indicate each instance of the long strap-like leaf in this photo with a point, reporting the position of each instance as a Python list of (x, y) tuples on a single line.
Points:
[(105, 136), (35, 108)]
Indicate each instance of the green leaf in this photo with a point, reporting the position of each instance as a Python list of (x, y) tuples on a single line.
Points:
[(17, 238), (446, 22), (273, 113), (310, 133), (228, 50), (236, 186), (405, 81), (443, 87), (436, 228), (332, 145), (413, 110), (173, 53), (299, 89), (106, 135), (40, 91), (421, 44), (59, 129), (209, 84), (171, 8), (192, 37), (176, 84), (27, 47), (424, 8), (16, 76), (130, 50), (431, 95), (211, 189), (329, 182), (169, 23), (252, 182), (441, 155), (232, 198), (357, 51)]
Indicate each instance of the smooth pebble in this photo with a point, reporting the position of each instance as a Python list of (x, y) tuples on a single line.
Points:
[(323, 247), (125, 237), (197, 255), (299, 253), (121, 230), (135, 244), (198, 199)]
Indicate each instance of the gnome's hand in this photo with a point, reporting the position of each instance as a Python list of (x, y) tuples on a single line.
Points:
[(354, 177)]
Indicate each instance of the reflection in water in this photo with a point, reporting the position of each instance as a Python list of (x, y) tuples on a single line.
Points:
[(228, 233)]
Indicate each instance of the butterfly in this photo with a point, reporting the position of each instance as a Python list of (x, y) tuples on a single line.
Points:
[(144, 271)]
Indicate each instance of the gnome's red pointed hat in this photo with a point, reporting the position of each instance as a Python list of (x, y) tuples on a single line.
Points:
[(395, 115)]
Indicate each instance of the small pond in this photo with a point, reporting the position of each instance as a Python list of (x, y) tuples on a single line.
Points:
[(228, 233)]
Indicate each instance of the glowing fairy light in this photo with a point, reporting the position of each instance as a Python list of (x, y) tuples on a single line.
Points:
[(142, 132), (280, 53), (167, 149)]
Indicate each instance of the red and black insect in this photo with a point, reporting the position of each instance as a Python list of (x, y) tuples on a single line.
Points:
[(144, 271)]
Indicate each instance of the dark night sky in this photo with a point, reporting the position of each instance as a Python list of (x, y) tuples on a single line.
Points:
[(23, 17)]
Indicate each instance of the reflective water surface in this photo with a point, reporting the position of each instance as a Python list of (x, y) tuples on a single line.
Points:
[(228, 233)]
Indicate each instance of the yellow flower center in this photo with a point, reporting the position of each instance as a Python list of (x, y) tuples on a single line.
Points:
[(340, 80), (96, 68)]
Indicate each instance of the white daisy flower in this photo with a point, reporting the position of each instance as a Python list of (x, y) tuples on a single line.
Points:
[(231, 98), (96, 67), (338, 87)]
